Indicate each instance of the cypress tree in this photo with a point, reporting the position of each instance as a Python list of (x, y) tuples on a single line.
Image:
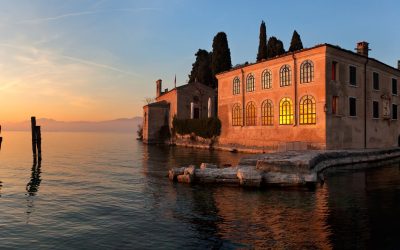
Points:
[(296, 43), (201, 68), (262, 46), (221, 55), (275, 47)]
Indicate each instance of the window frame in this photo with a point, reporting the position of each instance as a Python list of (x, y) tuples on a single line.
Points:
[(286, 119), (285, 75), (353, 84), (266, 79), (334, 70), (355, 106), (394, 80), (308, 118), (373, 110), (373, 81), (237, 115), (392, 113), (267, 113), (250, 88), (251, 115), (307, 74), (236, 86)]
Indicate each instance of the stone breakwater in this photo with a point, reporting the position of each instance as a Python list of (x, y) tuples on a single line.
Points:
[(292, 168)]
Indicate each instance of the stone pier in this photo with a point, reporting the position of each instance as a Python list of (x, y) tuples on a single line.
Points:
[(293, 168)]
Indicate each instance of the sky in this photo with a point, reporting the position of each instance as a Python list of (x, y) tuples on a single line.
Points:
[(99, 59)]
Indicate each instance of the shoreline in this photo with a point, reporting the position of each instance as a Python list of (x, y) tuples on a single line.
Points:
[(291, 168)]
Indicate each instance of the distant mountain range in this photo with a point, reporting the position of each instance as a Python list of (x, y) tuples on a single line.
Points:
[(117, 125)]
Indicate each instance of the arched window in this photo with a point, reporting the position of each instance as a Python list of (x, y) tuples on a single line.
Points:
[(285, 75), (306, 71), (307, 110), (250, 114), (236, 115), (285, 111), (267, 113), (250, 83), (236, 86), (266, 79)]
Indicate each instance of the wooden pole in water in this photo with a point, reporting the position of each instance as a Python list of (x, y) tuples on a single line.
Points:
[(39, 142), (33, 127), (1, 138)]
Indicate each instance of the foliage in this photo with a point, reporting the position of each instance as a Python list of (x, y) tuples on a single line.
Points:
[(296, 43), (201, 68), (262, 46), (275, 47), (206, 127), (221, 55)]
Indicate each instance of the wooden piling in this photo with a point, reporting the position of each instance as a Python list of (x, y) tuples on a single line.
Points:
[(33, 128), (38, 142)]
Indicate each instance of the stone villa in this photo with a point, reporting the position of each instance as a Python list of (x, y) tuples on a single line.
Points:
[(324, 97), (190, 101)]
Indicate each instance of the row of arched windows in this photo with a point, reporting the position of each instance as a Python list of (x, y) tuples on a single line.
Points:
[(307, 112), (285, 76)]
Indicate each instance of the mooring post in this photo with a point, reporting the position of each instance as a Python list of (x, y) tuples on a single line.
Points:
[(33, 127), (1, 138), (39, 143)]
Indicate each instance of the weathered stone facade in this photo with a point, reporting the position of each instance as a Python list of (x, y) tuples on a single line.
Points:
[(184, 102), (318, 99)]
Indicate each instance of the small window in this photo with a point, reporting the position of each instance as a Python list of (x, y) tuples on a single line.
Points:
[(236, 115), (285, 111), (250, 114), (353, 75), (394, 86), (375, 81), (285, 75), (334, 70), (375, 109), (236, 86), (267, 113), (352, 106), (250, 83), (308, 114), (394, 111), (266, 80), (335, 104), (307, 72)]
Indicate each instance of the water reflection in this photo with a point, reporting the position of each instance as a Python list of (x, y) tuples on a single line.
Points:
[(33, 185)]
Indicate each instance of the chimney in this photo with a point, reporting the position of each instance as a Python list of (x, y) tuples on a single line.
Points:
[(363, 48), (398, 64), (159, 86)]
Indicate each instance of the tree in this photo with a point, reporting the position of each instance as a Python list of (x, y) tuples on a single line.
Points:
[(221, 55), (279, 48), (296, 43), (201, 68), (262, 46), (275, 47)]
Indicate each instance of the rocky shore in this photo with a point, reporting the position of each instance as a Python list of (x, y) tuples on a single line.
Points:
[(292, 168)]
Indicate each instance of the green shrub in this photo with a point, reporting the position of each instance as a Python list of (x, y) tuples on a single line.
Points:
[(206, 127)]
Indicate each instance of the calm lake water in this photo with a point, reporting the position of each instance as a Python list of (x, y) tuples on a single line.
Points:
[(108, 191)]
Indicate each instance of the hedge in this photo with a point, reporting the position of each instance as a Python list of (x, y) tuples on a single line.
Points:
[(206, 127)]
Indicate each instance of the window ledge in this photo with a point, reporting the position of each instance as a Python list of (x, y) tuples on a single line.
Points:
[(352, 85)]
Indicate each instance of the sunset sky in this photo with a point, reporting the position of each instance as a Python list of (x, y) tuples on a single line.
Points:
[(98, 60)]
